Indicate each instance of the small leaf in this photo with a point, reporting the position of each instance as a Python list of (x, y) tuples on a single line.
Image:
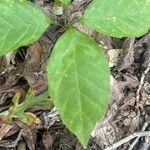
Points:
[(119, 18), (65, 2), (18, 110), (78, 77), (28, 118), (21, 23)]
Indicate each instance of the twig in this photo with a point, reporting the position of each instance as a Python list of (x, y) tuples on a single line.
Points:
[(127, 139), (137, 139), (11, 144), (142, 83), (138, 102)]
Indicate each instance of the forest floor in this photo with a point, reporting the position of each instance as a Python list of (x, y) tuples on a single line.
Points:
[(126, 124)]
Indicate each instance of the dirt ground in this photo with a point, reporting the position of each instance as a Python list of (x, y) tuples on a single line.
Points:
[(126, 124)]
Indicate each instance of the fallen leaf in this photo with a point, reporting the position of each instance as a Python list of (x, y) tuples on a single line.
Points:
[(4, 129), (47, 141)]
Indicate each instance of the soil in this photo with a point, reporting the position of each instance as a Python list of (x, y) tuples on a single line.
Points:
[(129, 106)]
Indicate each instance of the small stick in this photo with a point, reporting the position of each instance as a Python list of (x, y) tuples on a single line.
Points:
[(127, 139), (137, 139), (11, 144), (142, 83), (138, 99)]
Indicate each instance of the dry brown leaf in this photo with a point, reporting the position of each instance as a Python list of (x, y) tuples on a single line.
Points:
[(4, 129), (3, 63), (47, 141), (29, 135), (127, 57)]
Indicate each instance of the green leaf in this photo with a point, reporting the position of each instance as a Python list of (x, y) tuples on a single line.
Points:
[(78, 78), (65, 2), (19, 110), (21, 23), (119, 18)]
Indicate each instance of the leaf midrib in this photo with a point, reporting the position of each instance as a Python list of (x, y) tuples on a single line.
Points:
[(78, 90)]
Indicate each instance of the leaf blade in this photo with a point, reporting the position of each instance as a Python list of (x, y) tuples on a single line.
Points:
[(122, 18), (65, 2), (78, 73), (21, 23)]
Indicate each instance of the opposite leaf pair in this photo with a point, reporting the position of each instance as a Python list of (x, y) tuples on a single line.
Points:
[(78, 71)]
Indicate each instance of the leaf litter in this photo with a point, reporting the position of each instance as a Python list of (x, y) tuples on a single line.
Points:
[(129, 106)]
